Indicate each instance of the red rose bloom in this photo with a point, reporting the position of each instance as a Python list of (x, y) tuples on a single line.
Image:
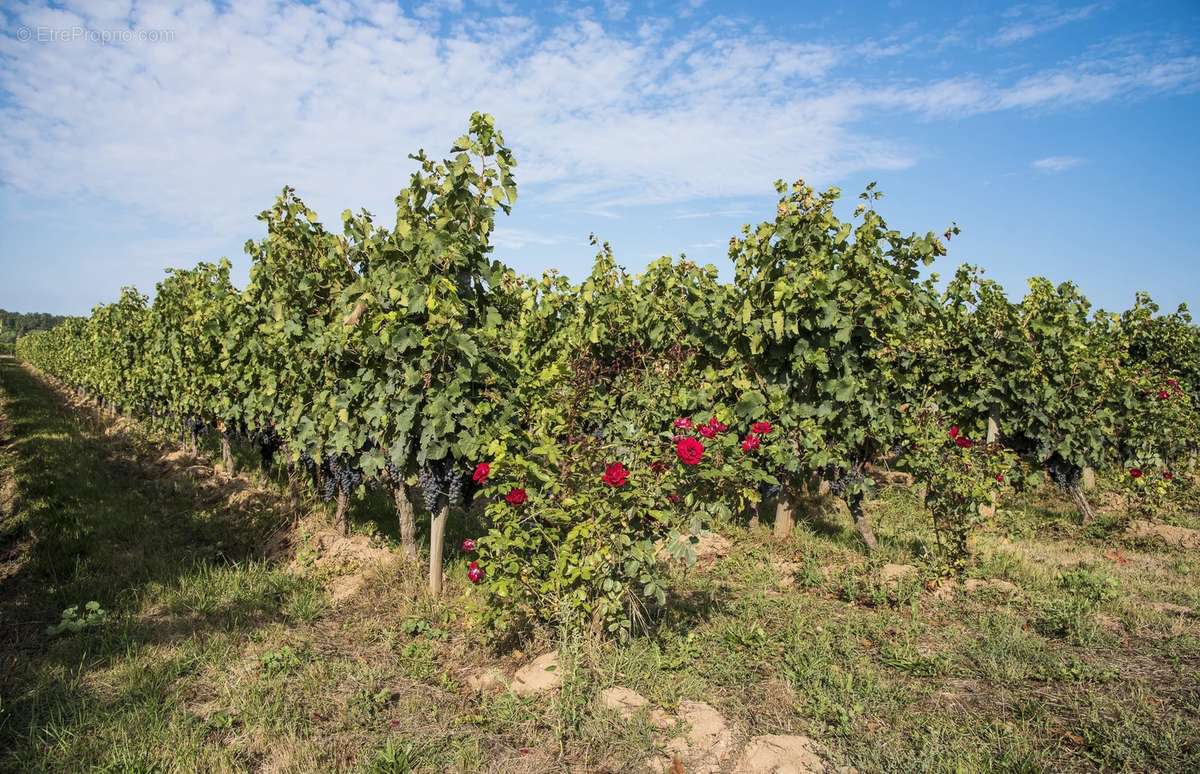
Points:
[(474, 575), (1163, 394), (761, 428), (717, 425), (954, 431), (964, 442), (615, 475), (750, 443), (482, 471), (708, 431), (1168, 475), (689, 450), (1000, 478), (683, 423), (516, 496), (1135, 472), (468, 545)]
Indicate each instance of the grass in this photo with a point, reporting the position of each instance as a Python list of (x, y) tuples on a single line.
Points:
[(224, 646)]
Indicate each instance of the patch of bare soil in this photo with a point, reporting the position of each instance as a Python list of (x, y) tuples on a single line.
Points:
[(1177, 537), (346, 552)]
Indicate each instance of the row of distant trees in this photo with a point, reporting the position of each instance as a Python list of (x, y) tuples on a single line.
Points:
[(14, 325)]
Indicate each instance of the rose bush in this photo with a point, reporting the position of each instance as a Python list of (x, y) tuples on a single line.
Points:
[(586, 541), (1159, 435), (961, 477)]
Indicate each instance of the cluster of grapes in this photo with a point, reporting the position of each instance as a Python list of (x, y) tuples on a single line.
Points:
[(308, 463), (440, 478), (268, 442), (1064, 474), (849, 481), (194, 426), (770, 491), (339, 475)]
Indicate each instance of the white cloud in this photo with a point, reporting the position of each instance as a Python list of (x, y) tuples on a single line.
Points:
[(1057, 163), (509, 238), (706, 214), (331, 97), (616, 9), (1038, 20)]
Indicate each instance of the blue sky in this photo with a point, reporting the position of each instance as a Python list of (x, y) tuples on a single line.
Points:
[(1060, 137)]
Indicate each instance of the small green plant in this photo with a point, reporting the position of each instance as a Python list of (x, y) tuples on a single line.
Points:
[(282, 661), (73, 621), (415, 626), (369, 703), (1071, 613), (395, 758)]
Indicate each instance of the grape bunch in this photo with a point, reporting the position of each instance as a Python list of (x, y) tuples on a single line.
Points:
[(439, 478), (1064, 474), (847, 482), (339, 476), (770, 491), (430, 487), (194, 425), (268, 442)]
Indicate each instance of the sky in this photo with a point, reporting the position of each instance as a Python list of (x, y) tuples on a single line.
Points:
[(1060, 137)]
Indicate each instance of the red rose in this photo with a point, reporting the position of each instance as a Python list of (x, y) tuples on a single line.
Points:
[(964, 442), (689, 450), (468, 545), (1168, 475), (482, 471), (1163, 394), (615, 475), (516, 496), (708, 431), (954, 431), (750, 443), (1135, 472), (474, 575), (683, 423), (1000, 478), (717, 425), (472, 565), (760, 428)]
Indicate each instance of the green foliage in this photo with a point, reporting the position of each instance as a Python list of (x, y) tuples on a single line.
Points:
[(390, 351), (580, 531), (826, 313), (73, 620), (1071, 612), (423, 325), (14, 325), (961, 477)]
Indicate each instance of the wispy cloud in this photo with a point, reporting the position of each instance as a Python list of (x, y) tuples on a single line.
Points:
[(509, 238), (1057, 163), (1037, 20), (726, 213), (601, 119)]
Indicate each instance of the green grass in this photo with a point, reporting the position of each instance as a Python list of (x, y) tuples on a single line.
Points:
[(222, 648)]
